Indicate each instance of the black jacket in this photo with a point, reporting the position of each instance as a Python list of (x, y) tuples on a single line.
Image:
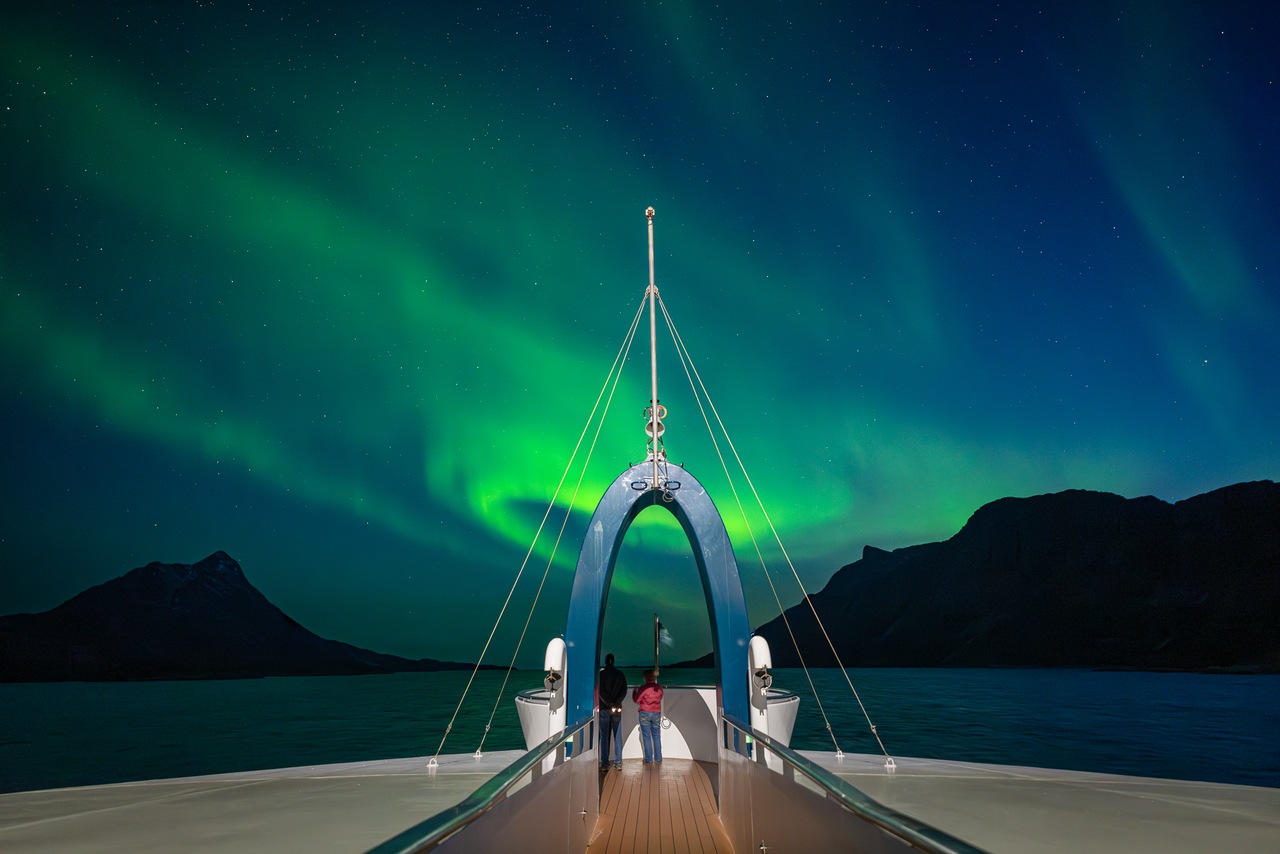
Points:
[(613, 687)]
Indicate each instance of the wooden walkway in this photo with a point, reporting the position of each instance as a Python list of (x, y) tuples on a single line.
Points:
[(668, 807)]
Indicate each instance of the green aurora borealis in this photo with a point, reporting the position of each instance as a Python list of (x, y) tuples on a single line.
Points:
[(333, 287)]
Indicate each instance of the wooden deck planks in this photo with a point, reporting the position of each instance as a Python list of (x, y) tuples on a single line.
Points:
[(667, 808), (687, 820)]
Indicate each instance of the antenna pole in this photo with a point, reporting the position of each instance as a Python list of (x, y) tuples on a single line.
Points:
[(653, 352)]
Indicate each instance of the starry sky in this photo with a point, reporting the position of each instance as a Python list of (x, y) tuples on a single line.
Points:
[(333, 286)]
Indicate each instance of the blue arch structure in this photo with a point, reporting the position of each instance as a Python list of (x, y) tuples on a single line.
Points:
[(697, 515)]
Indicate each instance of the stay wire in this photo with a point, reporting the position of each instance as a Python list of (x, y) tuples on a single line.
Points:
[(616, 367), (682, 353), (807, 598), (616, 376)]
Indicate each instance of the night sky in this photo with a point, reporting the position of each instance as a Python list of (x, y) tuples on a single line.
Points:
[(333, 287)]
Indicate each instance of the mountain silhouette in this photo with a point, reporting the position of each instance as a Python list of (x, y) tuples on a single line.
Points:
[(1071, 579), (178, 621)]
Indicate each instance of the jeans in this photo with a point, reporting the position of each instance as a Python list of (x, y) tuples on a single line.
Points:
[(651, 736), (610, 725)]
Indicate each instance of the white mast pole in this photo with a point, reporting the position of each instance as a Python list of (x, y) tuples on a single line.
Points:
[(653, 352)]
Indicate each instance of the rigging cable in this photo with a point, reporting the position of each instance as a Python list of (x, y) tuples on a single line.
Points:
[(615, 368), (683, 354), (616, 375), (807, 598)]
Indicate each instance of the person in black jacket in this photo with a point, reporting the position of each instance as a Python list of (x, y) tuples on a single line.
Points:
[(613, 687)]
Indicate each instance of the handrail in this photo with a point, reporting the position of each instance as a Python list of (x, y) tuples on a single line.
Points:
[(912, 831), (440, 826)]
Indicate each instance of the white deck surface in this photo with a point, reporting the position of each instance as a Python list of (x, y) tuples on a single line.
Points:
[(352, 807), (1005, 808), (348, 808)]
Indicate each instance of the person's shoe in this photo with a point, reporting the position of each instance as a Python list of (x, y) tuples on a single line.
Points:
[(618, 765)]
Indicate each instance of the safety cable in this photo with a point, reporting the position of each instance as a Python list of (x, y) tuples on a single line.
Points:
[(683, 354), (778, 539), (616, 376), (614, 368)]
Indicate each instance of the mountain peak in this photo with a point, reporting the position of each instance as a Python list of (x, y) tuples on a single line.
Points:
[(1068, 579), (177, 621), (216, 577), (219, 562)]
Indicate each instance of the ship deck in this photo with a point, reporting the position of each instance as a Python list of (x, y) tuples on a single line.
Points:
[(346, 807), (355, 806), (1011, 808), (665, 808)]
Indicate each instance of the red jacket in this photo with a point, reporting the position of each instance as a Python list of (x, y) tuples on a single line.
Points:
[(648, 697)]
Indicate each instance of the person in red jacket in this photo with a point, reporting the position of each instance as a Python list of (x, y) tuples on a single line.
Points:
[(649, 698)]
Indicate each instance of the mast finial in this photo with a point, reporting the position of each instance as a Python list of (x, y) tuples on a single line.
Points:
[(654, 427)]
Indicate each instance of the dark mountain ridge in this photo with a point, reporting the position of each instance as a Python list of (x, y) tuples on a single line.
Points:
[(178, 621), (1070, 579)]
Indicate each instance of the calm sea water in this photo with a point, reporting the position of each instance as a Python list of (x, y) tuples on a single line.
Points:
[(1219, 728)]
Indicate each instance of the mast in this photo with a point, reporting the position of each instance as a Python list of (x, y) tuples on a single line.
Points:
[(653, 354)]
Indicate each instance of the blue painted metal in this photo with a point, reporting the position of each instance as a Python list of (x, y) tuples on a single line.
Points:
[(697, 515)]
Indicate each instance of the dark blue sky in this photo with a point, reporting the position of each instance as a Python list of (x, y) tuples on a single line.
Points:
[(333, 287)]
